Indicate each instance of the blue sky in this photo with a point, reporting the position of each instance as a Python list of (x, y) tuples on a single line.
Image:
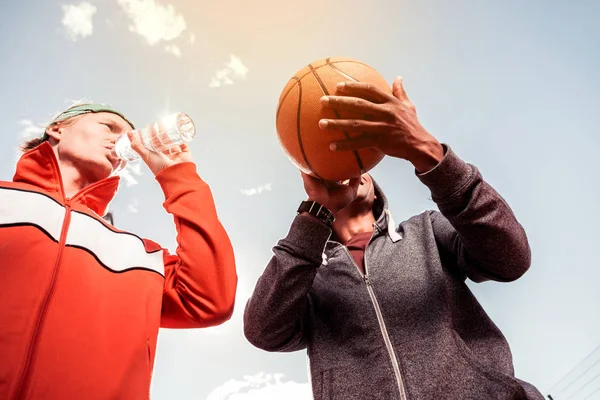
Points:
[(511, 86)]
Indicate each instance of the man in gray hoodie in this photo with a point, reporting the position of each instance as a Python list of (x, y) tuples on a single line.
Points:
[(384, 310)]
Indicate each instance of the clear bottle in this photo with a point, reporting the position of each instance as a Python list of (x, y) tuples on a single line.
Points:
[(177, 129)]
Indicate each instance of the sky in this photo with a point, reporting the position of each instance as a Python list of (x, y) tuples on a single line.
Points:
[(511, 86)]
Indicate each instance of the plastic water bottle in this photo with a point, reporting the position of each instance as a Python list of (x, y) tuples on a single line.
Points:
[(177, 129)]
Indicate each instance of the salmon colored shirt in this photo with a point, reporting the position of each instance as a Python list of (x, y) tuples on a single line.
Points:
[(356, 245)]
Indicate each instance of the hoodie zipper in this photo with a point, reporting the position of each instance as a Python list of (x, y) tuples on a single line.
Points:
[(382, 327), (25, 374)]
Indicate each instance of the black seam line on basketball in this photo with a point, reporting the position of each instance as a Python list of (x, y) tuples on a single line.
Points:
[(345, 75), (304, 155), (337, 114), (107, 227), (324, 65), (74, 246), (283, 99), (339, 71)]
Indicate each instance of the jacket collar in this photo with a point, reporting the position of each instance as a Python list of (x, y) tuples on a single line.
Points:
[(384, 222), (383, 217), (39, 167)]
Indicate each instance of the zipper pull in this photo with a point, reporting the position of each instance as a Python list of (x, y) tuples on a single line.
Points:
[(367, 281)]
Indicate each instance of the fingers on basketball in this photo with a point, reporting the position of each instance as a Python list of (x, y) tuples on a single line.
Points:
[(300, 110)]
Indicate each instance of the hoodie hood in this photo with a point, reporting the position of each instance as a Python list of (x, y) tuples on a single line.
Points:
[(381, 202), (383, 218)]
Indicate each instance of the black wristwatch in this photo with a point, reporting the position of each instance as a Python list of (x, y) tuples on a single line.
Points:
[(317, 210)]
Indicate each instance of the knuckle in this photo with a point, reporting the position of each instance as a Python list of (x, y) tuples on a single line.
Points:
[(356, 103), (388, 112)]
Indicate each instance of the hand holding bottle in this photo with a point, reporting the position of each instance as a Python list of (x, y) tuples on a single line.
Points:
[(157, 161), (160, 144)]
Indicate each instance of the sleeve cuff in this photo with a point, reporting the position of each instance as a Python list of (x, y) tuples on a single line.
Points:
[(177, 177), (309, 236), (448, 177)]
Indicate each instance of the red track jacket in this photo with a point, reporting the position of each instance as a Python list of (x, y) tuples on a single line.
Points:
[(81, 301)]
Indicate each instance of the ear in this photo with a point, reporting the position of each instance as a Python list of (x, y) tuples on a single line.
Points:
[(54, 131)]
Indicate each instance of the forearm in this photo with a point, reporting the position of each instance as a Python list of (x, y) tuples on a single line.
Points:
[(488, 241), (201, 281), (274, 318)]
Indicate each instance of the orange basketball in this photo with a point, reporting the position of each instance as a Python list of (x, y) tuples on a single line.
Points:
[(300, 110)]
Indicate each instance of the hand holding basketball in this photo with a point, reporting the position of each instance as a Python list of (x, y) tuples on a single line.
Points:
[(393, 126), (333, 195), (299, 112)]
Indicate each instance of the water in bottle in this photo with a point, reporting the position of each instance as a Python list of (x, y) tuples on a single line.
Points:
[(176, 129)]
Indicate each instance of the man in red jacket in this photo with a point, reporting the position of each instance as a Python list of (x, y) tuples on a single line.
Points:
[(81, 301)]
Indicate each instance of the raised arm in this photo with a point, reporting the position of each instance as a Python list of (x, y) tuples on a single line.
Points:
[(476, 231), (275, 315), (477, 228), (201, 279)]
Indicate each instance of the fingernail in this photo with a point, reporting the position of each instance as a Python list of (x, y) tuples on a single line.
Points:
[(333, 147), (325, 100), (323, 124), (130, 135), (341, 85)]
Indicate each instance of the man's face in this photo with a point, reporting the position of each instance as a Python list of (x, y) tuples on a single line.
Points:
[(87, 143)]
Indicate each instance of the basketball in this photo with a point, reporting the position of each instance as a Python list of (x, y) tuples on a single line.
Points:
[(299, 111)]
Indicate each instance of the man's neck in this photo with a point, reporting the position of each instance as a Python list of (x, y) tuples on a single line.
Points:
[(73, 180), (350, 222)]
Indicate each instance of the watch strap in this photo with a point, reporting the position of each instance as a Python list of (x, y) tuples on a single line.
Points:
[(317, 210)]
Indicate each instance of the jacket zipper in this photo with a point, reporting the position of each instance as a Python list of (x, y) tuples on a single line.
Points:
[(25, 374), (382, 327)]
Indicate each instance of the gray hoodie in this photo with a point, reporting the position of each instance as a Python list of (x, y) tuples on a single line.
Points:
[(410, 328)]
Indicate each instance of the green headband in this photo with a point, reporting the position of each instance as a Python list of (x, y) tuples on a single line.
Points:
[(85, 109)]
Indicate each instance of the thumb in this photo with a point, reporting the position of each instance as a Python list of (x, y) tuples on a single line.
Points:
[(398, 89), (353, 184)]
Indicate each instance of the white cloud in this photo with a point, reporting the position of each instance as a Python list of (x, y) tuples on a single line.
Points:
[(234, 69), (30, 130), (154, 22), (171, 48), (256, 190), (77, 19), (261, 386), (133, 206), (130, 173)]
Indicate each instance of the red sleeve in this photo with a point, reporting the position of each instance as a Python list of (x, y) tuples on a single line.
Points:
[(201, 279)]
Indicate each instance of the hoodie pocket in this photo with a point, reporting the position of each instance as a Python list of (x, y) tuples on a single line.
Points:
[(441, 366), (509, 385), (347, 382)]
